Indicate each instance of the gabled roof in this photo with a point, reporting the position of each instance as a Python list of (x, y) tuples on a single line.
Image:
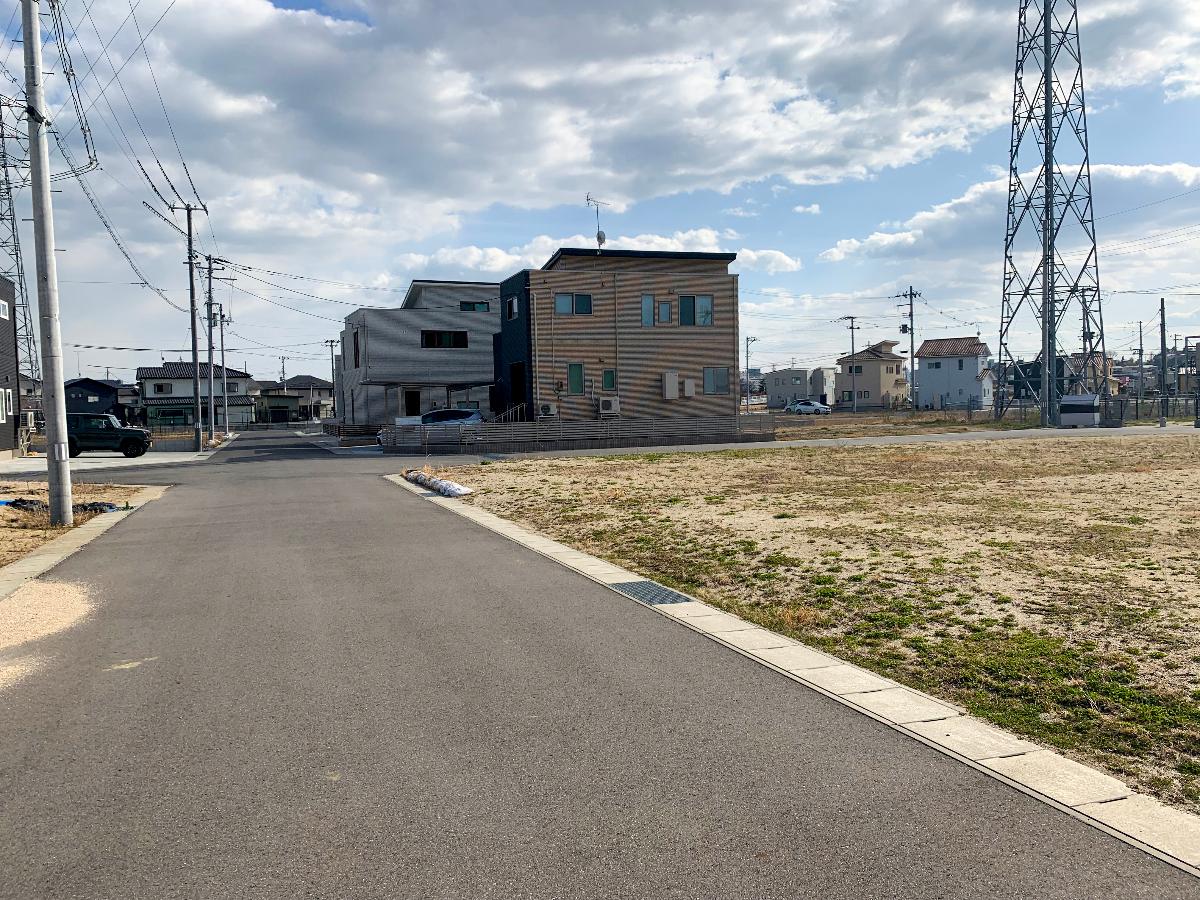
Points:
[(940, 348), (635, 254), (98, 382), (184, 370), (304, 382), (877, 352)]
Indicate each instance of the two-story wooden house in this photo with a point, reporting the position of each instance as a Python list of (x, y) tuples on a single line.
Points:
[(167, 399), (634, 333)]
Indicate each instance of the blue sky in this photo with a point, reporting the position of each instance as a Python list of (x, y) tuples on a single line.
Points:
[(370, 143)]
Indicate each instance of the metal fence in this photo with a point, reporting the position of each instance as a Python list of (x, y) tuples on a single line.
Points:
[(525, 437)]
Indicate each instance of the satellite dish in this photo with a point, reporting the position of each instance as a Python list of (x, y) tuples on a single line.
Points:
[(600, 238)]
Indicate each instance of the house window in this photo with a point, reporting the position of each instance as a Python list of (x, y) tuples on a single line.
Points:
[(936, 365), (776, 382), (575, 378), (687, 310), (443, 340), (572, 304), (847, 395), (704, 310), (796, 379), (647, 310), (864, 395), (163, 387), (474, 306), (8, 401), (3, 309), (664, 312), (610, 379), (960, 365), (856, 370), (233, 387), (510, 308), (716, 380), (357, 360)]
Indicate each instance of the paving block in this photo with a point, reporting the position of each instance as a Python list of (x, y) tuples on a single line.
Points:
[(971, 738), (902, 706), (686, 610), (1059, 778), (796, 658), (718, 623), (1170, 830), (756, 639), (845, 679)]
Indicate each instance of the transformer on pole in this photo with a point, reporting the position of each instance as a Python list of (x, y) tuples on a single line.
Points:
[(1051, 270)]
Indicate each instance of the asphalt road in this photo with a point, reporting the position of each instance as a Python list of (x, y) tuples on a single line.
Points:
[(347, 692)]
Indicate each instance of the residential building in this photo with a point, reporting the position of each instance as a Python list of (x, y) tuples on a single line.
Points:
[(953, 373), (822, 386), (10, 400), (785, 385), (316, 396), (873, 378), (619, 332), (167, 401), (94, 395), (434, 351), (278, 405)]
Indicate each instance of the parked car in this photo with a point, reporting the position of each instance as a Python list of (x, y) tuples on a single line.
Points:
[(86, 431), (807, 408), (441, 417)]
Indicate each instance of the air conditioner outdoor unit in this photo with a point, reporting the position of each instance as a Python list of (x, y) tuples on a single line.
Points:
[(610, 406), (548, 410)]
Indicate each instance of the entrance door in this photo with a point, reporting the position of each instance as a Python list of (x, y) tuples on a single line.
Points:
[(412, 403), (516, 377)]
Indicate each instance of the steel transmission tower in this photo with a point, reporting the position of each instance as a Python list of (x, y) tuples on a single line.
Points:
[(1051, 271), (14, 161)]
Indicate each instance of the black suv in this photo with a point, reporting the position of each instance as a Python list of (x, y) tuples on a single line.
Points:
[(86, 431)]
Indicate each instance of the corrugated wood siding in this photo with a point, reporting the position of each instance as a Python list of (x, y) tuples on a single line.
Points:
[(613, 337)]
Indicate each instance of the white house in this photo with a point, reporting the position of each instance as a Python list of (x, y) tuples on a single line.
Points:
[(953, 374), (166, 395), (785, 385), (822, 385)]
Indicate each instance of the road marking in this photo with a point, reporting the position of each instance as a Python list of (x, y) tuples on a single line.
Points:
[(1086, 794)]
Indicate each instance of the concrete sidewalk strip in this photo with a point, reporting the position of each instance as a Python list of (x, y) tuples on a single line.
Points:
[(903, 706), (1097, 798), (1151, 822), (971, 738), (1061, 779), (796, 659)]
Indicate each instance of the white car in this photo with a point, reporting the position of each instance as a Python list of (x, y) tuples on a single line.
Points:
[(807, 408)]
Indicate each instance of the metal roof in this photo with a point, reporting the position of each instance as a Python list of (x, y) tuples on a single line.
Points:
[(955, 346), (184, 370), (234, 400)]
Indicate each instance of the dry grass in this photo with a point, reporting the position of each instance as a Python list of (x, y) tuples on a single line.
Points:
[(23, 532), (1052, 586), (887, 424)]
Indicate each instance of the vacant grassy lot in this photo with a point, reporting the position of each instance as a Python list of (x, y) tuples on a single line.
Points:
[(840, 425), (1051, 586), (23, 532)]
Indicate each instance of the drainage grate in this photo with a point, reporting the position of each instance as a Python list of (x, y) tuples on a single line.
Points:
[(650, 592)]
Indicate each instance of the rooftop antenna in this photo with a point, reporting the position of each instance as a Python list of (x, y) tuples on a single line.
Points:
[(600, 236)]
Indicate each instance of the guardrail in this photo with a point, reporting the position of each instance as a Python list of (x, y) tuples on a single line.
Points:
[(524, 437)]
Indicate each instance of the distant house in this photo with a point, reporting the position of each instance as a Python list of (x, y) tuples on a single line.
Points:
[(316, 396), (633, 333), (95, 395), (873, 378), (953, 374), (166, 395), (822, 386), (434, 351), (10, 401), (785, 385)]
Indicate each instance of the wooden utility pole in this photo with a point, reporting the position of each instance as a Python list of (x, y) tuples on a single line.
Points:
[(1162, 362), (332, 342)]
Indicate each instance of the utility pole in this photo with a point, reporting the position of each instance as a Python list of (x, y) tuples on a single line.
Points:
[(224, 372), (853, 376), (197, 437), (54, 405), (749, 341), (332, 375), (1162, 362), (283, 372), (1141, 368), (910, 295), (212, 403)]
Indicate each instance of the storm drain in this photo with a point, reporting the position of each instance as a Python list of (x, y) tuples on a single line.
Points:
[(648, 592)]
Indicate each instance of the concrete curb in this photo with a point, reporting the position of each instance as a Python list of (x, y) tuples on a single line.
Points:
[(51, 554), (1084, 793)]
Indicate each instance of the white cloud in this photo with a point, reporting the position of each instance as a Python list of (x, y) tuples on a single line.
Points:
[(813, 209), (739, 212)]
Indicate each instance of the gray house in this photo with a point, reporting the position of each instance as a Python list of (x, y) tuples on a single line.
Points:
[(785, 385), (10, 398), (434, 351)]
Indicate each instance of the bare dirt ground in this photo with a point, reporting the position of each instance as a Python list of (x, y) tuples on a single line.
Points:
[(1051, 586), (23, 532), (886, 424)]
